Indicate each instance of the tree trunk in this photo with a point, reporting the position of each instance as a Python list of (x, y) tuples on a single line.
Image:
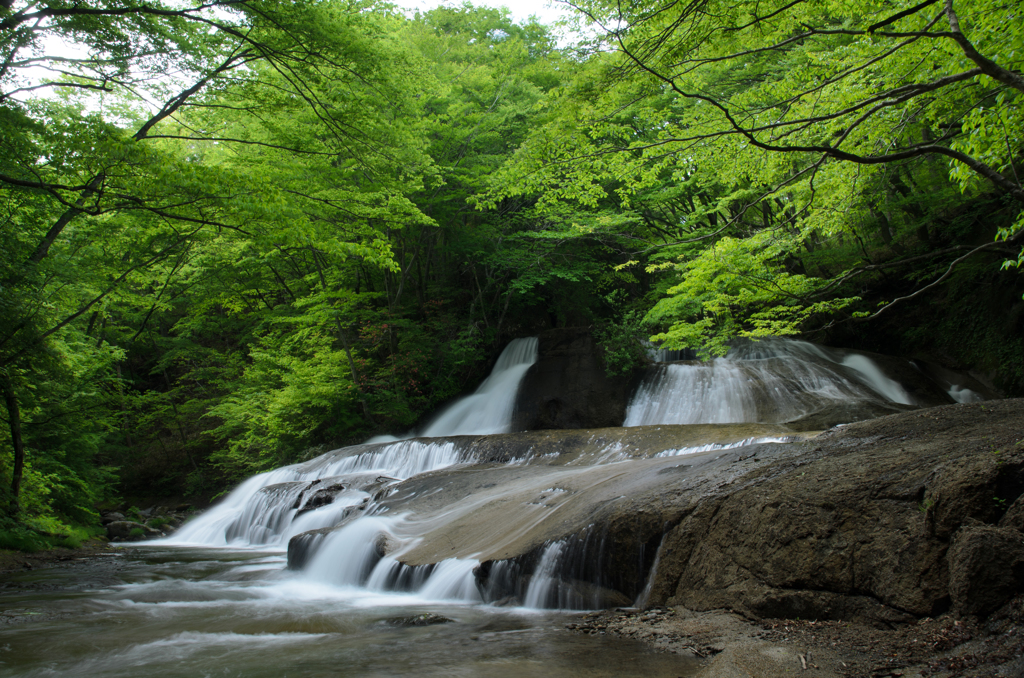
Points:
[(14, 417)]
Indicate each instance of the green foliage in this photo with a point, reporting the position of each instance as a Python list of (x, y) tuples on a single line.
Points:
[(32, 536), (775, 167), (622, 338), (738, 288)]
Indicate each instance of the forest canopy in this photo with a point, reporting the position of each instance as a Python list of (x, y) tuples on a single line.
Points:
[(235, 232)]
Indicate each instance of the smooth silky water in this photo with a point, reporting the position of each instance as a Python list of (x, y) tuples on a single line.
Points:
[(162, 611)]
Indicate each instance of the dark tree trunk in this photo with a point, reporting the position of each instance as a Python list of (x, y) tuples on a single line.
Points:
[(14, 417)]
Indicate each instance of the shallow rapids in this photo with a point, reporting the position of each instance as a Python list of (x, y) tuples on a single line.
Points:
[(165, 612)]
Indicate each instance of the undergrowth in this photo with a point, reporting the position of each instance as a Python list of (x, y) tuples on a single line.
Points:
[(30, 538)]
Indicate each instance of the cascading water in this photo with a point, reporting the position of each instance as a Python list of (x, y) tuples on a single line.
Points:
[(765, 381), (487, 410), (267, 508), (337, 490), (379, 518)]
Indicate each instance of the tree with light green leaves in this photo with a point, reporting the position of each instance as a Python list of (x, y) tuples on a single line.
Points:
[(117, 185), (812, 132)]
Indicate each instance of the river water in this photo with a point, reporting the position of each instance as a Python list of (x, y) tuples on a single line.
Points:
[(170, 612)]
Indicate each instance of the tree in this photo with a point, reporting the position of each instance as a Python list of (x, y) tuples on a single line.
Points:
[(104, 192), (801, 124)]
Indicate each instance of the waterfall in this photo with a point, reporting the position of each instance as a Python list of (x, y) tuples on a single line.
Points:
[(378, 517), (487, 410), (768, 381), (268, 509)]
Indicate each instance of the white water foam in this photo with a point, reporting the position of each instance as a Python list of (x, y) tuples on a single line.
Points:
[(962, 394), (487, 410), (261, 511), (768, 381), (543, 583), (722, 446)]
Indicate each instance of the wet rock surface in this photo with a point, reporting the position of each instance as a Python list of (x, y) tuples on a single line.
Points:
[(567, 388), (425, 619), (855, 524)]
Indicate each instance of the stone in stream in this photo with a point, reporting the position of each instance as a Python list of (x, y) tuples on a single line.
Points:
[(126, 530), (321, 496), (426, 619)]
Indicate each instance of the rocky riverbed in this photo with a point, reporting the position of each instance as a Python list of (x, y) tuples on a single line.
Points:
[(728, 644)]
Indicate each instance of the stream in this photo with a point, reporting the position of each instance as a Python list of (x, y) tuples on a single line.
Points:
[(169, 612)]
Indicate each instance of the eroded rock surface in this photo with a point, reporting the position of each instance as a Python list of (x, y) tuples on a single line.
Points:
[(857, 523)]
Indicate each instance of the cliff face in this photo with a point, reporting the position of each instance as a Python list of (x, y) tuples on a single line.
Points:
[(567, 388)]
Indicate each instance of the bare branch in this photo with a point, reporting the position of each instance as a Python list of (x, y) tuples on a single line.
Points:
[(900, 15)]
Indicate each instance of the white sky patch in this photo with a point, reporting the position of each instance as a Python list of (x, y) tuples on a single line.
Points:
[(545, 10)]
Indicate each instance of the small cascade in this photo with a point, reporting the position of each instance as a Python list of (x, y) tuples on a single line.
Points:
[(356, 556), (569, 573), (348, 556), (875, 378), (544, 589), (962, 394), (487, 410), (768, 381), (693, 394), (268, 509)]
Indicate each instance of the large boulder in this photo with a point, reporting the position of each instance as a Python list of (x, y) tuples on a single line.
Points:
[(864, 522), (127, 530), (986, 567), (568, 388), (869, 523)]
